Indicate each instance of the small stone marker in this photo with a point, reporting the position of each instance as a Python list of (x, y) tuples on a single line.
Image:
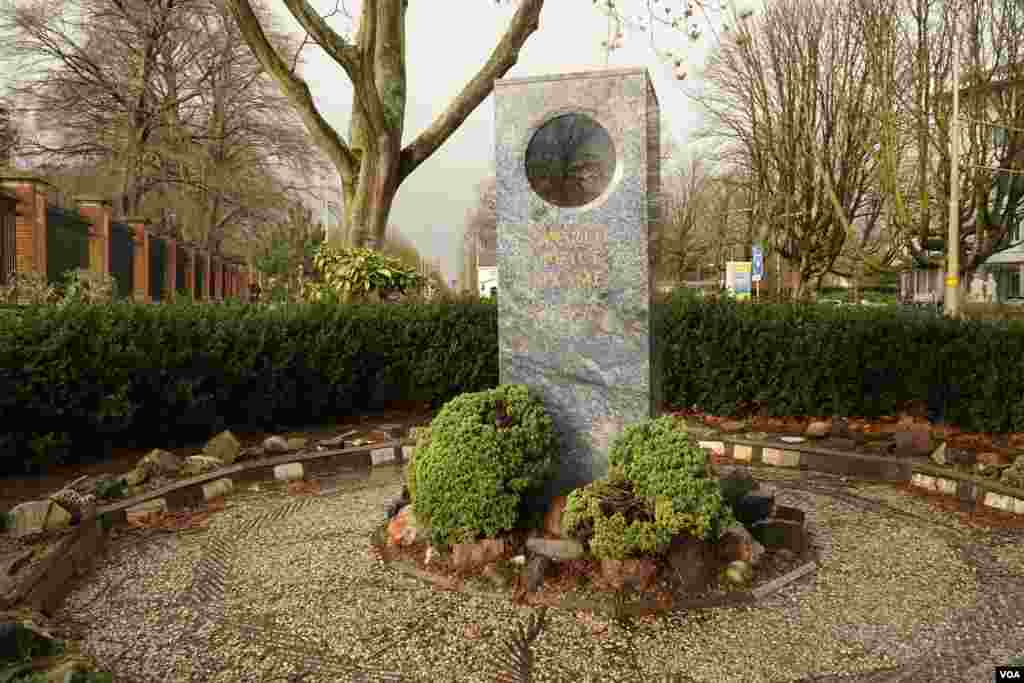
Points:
[(577, 159)]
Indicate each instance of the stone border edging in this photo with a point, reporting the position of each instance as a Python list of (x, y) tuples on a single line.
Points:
[(968, 488), (180, 494), (49, 582)]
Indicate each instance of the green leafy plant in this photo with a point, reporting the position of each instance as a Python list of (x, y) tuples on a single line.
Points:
[(659, 486), (110, 488), (357, 272), (481, 455), (87, 286)]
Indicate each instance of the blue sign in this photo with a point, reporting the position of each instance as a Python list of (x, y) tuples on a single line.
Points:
[(757, 271)]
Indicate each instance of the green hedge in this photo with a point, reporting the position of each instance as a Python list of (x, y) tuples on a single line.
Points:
[(727, 357), (172, 373), (160, 374)]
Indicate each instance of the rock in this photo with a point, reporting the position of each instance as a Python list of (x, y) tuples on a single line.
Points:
[(430, 556), (840, 428), (739, 573), (35, 516), (819, 429), (939, 454), (159, 462), (135, 477), (64, 670), (637, 573), (467, 556), (396, 504), (296, 443), (790, 514), (403, 528), (200, 464), (12, 563), (560, 549), (997, 460), (275, 444), (224, 447), (537, 571), (732, 425), (496, 576), (553, 517), (692, 563), (217, 488), (736, 543), (913, 440), (775, 533), (753, 507), (519, 560), (289, 471)]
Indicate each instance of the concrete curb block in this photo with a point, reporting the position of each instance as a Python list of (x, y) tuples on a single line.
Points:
[(970, 489)]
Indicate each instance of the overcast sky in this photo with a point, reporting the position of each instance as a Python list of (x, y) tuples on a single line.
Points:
[(445, 48)]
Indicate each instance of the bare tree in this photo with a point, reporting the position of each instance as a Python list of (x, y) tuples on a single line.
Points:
[(480, 235), (791, 101)]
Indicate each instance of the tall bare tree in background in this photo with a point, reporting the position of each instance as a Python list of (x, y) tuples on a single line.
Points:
[(791, 100), (480, 236), (161, 104)]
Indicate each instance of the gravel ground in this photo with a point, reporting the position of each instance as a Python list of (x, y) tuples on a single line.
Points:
[(283, 588)]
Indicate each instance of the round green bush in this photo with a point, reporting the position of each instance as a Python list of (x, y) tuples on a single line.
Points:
[(480, 456), (659, 486)]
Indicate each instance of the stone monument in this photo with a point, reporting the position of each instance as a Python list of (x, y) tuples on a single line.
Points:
[(577, 160)]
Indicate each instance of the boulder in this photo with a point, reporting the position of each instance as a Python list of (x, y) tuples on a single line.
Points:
[(913, 440), (752, 508), (200, 464), (35, 516), (467, 556), (395, 504), (159, 462), (739, 573), (819, 429), (553, 517), (736, 543), (297, 443), (788, 513), (692, 563), (637, 573), (562, 549), (275, 444), (994, 460), (403, 528), (224, 447), (781, 533), (536, 571)]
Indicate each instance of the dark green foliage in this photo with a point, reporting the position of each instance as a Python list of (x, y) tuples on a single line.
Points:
[(109, 488), (172, 373), (482, 454), (793, 359), (735, 485)]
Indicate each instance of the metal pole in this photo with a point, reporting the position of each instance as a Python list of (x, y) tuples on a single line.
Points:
[(952, 304)]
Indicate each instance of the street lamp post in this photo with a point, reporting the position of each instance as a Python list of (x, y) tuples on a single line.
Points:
[(952, 303)]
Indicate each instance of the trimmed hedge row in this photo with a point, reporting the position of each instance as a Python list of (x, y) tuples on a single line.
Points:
[(726, 356), (171, 373)]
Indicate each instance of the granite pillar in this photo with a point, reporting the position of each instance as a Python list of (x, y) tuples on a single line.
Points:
[(577, 159)]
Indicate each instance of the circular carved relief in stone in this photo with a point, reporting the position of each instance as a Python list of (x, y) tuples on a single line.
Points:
[(570, 160)]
